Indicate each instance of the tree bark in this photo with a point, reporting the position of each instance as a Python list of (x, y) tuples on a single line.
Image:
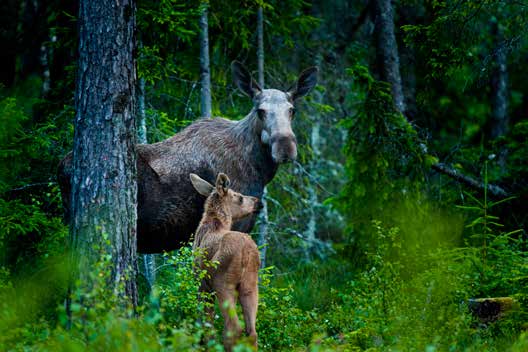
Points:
[(387, 51), (264, 216), (205, 68), (260, 47), (149, 260), (499, 85), (33, 34), (104, 188), (9, 10), (313, 202), (142, 123), (409, 14)]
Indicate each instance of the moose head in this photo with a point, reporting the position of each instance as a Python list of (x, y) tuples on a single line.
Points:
[(275, 110)]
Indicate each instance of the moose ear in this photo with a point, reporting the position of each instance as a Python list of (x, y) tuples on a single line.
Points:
[(202, 186), (307, 80), (222, 184), (243, 80)]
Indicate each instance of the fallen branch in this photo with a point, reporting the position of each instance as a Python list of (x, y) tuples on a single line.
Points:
[(495, 190), (31, 185)]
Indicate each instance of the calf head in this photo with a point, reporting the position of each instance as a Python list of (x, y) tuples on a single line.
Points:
[(222, 199), (275, 110)]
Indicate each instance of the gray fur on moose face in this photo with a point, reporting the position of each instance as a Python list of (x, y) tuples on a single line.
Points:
[(275, 109)]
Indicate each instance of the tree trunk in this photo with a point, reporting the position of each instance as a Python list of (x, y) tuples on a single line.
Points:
[(264, 218), (260, 47), (205, 68), (313, 202), (62, 28), (33, 34), (263, 229), (141, 123), (409, 14), (9, 10), (104, 188), (499, 85), (149, 260), (387, 51), (499, 93)]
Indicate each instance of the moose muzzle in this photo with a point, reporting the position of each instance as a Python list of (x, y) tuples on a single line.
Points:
[(283, 148)]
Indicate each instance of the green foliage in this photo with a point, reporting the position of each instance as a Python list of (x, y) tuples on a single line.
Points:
[(12, 117), (396, 283), (168, 319), (385, 161), (165, 27), (382, 144)]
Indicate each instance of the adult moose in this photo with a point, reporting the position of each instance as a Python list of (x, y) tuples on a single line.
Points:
[(250, 150)]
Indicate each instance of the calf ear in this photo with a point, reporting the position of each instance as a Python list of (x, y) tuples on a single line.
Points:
[(202, 186), (307, 80), (243, 80), (222, 184)]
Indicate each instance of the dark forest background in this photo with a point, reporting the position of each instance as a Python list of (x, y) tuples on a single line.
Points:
[(406, 206)]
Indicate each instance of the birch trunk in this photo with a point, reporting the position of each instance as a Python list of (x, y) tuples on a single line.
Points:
[(264, 217), (149, 260), (104, 188), (311, 228), (260, 47)]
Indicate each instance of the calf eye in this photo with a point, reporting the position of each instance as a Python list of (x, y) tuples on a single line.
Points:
[(292, 112), (240, 200)]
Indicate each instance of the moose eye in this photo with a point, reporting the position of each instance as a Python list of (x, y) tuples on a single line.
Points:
[(261, 113)]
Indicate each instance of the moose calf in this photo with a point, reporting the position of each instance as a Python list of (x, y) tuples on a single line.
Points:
[(236, 254)]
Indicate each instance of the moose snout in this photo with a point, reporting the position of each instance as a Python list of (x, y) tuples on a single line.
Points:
[(283, 148), (258, 205)]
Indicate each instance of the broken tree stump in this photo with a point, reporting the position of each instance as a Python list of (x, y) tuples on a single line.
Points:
[(491, 309)]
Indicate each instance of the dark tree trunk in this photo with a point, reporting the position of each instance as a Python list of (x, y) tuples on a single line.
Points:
[(499, 85), (33, 34), (409, 14), (8, 37), (387, 51), (205, 68), (104, 188), (63, 52)]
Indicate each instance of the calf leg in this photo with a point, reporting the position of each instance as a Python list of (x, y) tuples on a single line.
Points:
[(226, 300), (248, 296)]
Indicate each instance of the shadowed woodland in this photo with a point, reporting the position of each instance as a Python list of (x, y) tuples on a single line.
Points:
[(386, 140)]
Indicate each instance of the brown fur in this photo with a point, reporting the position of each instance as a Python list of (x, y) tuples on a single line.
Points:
[(250, 150), (235, 252)]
